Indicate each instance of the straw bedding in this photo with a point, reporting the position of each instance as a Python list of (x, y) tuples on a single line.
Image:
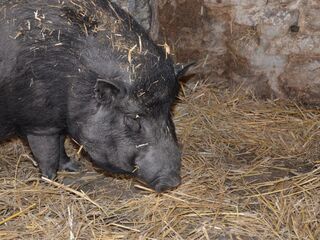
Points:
[(251, 170)]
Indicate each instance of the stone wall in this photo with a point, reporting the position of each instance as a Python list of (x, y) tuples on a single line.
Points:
[(272, 46)]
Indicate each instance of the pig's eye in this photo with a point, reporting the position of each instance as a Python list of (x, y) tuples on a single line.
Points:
[(133, 122)]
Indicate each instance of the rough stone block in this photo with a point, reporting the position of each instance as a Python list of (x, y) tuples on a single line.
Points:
[(301, 80), (264, 15), (228, 3), (295, 44), (310, 20), (277, 24)]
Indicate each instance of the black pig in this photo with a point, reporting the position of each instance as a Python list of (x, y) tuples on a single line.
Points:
[(85, 68)]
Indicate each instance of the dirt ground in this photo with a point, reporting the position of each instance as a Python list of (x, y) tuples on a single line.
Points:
[(251, 170)]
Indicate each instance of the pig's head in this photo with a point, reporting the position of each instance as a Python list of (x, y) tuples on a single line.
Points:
[(131, 129)]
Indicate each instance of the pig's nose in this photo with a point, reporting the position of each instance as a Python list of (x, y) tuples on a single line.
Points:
[(167, 184)]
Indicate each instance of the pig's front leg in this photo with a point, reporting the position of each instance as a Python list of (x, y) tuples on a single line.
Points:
[(46, 151), (65, 163)]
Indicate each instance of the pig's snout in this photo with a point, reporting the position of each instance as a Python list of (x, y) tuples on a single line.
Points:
[(166, 183), (160, 165)]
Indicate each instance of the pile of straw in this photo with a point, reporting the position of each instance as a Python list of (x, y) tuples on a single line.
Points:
[(251, 170)]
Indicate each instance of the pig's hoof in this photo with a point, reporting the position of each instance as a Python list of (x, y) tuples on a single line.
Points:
[(70, 166)]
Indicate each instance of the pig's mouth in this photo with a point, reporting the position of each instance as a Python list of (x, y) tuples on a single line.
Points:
[(109, 167), (114, 169), (158, 183), (161, 184), (105, 165)]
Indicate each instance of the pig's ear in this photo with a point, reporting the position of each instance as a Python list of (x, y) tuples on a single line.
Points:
[(108, 90), (181, 69)]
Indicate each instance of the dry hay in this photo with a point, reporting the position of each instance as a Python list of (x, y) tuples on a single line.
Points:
[(250, 171)]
